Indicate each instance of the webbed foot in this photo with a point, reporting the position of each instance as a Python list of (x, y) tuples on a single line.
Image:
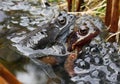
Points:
[(69, 64), (47, 68)]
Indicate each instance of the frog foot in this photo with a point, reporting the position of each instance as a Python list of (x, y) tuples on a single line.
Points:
[(69, 64)]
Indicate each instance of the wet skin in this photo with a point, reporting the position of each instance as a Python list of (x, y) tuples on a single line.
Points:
[(48, 41), (58, 32), (82, 35)]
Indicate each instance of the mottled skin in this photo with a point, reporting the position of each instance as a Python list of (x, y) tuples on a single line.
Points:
[(56, 31), (61, 33), (82, 35), (69, 64), (50, 36)]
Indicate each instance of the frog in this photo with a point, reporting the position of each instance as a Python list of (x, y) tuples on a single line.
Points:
[(83, 33), (60, 41), (46, 44), (54, 31)]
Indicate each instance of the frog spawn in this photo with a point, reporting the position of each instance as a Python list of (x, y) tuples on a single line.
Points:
[(84, 35), (98, 64), (57, 49), (88, 59)]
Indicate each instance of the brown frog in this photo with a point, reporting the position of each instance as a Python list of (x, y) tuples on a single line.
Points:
[(83, 33), (61, 43)]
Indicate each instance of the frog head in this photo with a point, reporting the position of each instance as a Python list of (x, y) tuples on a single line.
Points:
[(65, 23), (54, 31), (83, 33)]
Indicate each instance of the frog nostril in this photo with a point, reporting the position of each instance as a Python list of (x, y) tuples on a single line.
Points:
[(72, 16)]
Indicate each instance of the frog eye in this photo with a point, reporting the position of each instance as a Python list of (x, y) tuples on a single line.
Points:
[(62, 20), (83, 30)]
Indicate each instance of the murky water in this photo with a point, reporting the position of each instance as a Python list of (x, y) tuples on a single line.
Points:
[(96, 65)]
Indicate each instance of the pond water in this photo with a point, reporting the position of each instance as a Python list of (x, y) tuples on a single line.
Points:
[(99, 62)]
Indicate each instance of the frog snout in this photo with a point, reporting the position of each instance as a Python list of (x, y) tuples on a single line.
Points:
[(72, 18)]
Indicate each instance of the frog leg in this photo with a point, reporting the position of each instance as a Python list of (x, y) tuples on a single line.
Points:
[(47, 69), (69, 63)]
